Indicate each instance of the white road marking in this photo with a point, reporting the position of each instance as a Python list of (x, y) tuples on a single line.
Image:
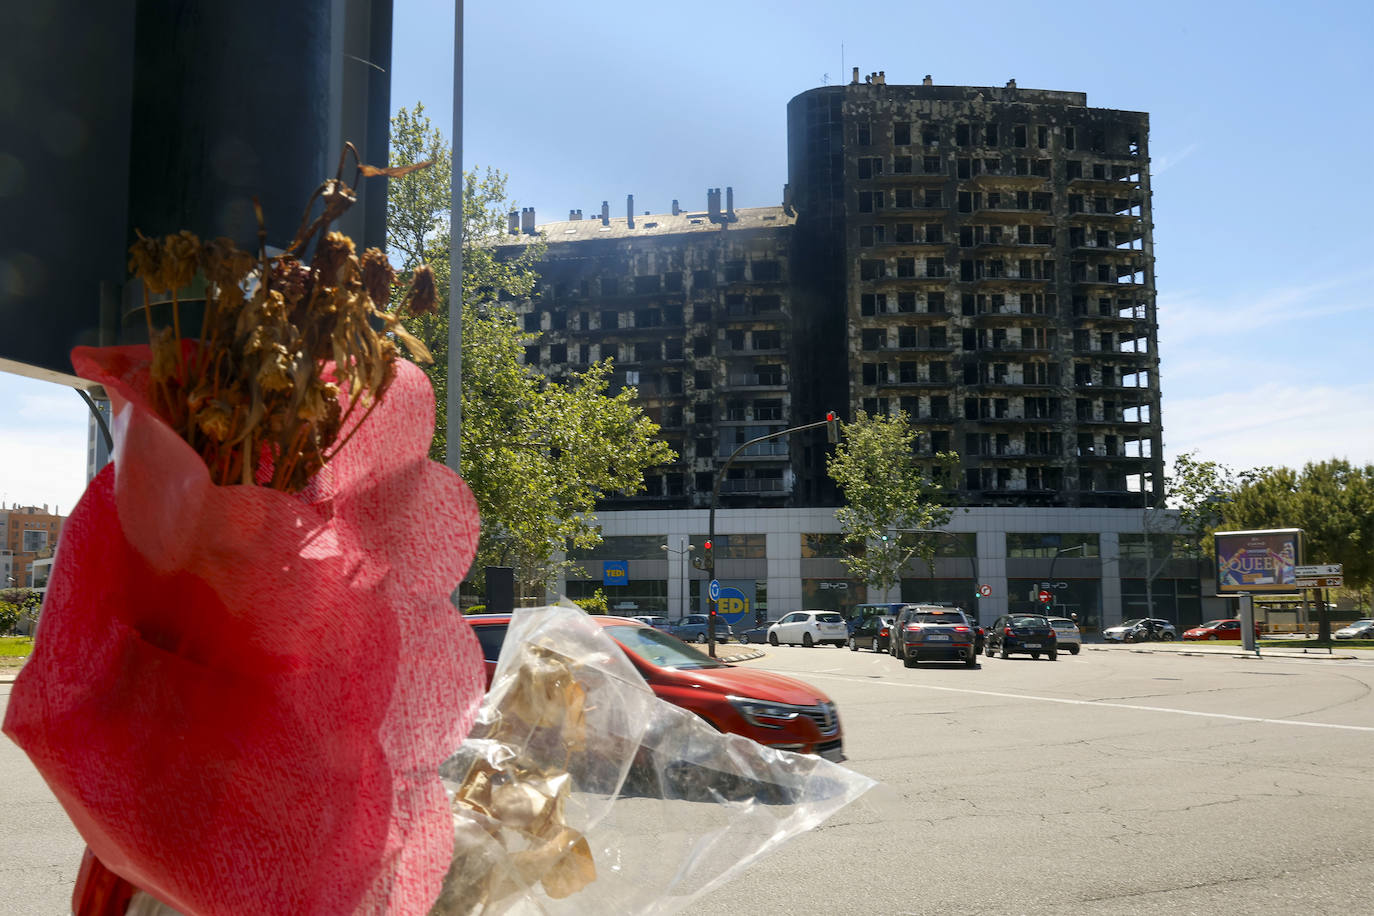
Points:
[(1095, 703)]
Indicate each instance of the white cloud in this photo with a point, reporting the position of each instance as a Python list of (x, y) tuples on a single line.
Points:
[(1159, 164), (1273, 424), (42, 443)]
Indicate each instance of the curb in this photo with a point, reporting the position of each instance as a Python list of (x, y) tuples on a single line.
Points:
[(1225, 653)]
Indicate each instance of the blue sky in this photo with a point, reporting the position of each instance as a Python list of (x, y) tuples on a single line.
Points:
[(1261, 132)]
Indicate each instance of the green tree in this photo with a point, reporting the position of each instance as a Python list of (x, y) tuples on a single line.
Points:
[(886, 489), (536, 454), (18, 605), (1331, 501), (1198, 490)]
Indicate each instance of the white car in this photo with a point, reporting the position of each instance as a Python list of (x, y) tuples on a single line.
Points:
[(1066, 634), (1133, 629), (809, 628)]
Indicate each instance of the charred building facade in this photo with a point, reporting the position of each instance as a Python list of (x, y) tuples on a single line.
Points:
[(979, 258)]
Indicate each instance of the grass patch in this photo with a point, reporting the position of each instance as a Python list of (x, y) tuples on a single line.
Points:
[(15, 646), (1316, 644)]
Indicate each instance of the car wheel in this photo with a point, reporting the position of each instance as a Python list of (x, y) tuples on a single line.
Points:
[(853, 644), (875, 644), (1073, 650), (1168, 637), (1005, 653), (987, 650), (1213, 636), (1054, 656), (972, 660), (806, 640), (909, 661), (701, 637), (772, 639), (1035, 656)]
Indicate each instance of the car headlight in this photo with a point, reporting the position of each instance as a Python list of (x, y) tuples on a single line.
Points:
[(764, 714)]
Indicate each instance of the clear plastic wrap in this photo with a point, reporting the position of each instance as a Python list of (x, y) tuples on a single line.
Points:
[(579, 791)]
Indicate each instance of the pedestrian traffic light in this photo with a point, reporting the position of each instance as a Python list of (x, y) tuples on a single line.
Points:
[(832, 427)]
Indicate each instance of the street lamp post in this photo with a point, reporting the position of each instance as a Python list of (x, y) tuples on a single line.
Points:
[(682, 552), (1057, 554)]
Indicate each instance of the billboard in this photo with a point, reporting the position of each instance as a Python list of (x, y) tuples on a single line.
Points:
[(1258, 561)]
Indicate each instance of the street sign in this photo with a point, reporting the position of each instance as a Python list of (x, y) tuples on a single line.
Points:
[(714, 590), (985, 591), (1045, 597), (1320, 582), (1314, 572)]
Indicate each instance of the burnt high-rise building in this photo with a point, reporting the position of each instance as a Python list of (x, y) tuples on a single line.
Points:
[(979, 258)]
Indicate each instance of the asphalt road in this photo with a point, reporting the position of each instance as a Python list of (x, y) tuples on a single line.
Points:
[(1113, 782)]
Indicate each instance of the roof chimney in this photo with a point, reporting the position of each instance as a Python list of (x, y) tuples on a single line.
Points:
[(927, 81), (605, 213), (527, 220), (787, 199), (882, 78), (513, 222), (713, 204), (1011, 84), (676, 208), (574, 215), (630, 210), (730, 204), (855, 80)]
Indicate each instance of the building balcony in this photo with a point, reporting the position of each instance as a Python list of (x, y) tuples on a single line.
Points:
[(766, 486)]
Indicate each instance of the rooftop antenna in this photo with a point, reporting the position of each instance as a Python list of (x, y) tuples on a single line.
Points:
[(841, 60)]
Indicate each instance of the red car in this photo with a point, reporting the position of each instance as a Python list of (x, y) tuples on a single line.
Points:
[(769, 708), (1218, 629)]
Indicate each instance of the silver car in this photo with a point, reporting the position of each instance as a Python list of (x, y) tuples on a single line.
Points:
[(1136, 628), (1066, 634), (1359, 629)]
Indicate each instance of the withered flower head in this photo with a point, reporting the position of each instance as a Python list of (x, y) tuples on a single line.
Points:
[(225, 264), (180, 260), (333, 257), (274, 369), (378, 277), (145, 261), (423, 296), (291, 278), (213, 420)]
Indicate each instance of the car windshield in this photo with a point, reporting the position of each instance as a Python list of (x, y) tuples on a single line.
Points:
[(830, 618), (1213, 624), (938, 617), (1062, 622), (1134, 622), (1362, 623), (1029, 621), (660, 649)]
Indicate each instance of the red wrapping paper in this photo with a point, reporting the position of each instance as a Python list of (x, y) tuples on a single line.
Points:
[(241, 696)]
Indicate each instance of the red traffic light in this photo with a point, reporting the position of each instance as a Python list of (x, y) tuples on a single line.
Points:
[(832, 427), (707, 545)]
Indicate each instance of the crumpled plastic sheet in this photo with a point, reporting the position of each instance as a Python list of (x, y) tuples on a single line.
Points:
[(620, 803), (241, 697)]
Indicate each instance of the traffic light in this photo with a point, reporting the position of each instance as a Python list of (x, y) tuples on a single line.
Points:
[(832, 427)]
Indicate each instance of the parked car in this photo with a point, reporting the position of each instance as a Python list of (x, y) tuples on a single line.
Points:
[(860, 611), (757, 635), (810, 628), (658, 623), (1130, 630), (772, 709), (695, 627), (1359, 629), (1066, 634), (924, 632), (870, 633), (1026, 634), (1218, 629)]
